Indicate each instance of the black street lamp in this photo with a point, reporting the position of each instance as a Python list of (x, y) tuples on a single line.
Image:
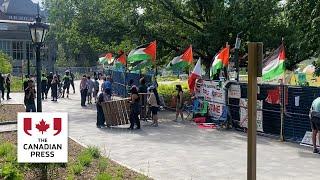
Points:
[(38, 31)]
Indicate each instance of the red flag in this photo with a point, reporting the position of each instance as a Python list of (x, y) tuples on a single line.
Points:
[(152, 50)]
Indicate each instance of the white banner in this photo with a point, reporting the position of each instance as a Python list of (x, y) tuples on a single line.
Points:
[(244, 114)]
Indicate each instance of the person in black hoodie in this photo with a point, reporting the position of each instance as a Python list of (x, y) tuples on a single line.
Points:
[(2, 82), (44, 87), (8, 86)]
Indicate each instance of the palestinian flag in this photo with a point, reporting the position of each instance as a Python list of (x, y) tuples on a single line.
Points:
[(220, 60), (273, 66), (141, 65), (196, 73), (106, 58), (182, 61), (121, 60), (143, 53)]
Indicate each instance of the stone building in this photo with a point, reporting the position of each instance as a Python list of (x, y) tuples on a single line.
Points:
[(15, 38)]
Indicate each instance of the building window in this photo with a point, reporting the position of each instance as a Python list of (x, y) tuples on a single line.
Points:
[(5, 46), (29, 50), (17, 50)]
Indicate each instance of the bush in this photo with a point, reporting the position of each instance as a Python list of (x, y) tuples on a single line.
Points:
[(104, 176), (5, 64), (9, 171), (168, 90), (8, 151), (16, 84)]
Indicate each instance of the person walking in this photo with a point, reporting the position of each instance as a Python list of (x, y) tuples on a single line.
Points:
[(54, 88), (83, 90), (2, 83), (8, 86), (315, 122), (44, 87), (50, 78), (95, 89), (66, 83), (100, 114), (154, 102), (90, 89), (72, 82), (179, 102), (29, 96), (135, 108)]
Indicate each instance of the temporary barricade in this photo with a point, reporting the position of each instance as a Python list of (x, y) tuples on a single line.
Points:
[(116, 112)]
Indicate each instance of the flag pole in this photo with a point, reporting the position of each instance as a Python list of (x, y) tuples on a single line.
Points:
[(125, 77)]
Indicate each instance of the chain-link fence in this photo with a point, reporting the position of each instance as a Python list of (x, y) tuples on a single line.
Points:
[(284, 110)]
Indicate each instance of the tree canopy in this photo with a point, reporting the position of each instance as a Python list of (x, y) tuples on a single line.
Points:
[(92, 27)]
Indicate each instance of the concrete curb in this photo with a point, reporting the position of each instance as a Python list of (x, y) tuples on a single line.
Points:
[(122, 164), (8, 122)]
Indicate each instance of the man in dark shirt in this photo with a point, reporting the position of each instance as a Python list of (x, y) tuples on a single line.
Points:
[(29, 96), (44, 87), (72, 82), (8, 86), (2, 85), (100, 114)]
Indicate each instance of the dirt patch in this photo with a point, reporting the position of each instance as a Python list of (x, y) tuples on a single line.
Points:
[(62, 171), (8, 112)]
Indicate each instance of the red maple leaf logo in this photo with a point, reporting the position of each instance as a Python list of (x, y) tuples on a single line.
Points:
[(42, 126)]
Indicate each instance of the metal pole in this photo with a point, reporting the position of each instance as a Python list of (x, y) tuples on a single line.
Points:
[(236, 54), (252, 110), (282, 104), (38, 66), (28, 63)]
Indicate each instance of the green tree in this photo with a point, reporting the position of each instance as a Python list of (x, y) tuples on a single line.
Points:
[(62, 60), (5, 64)]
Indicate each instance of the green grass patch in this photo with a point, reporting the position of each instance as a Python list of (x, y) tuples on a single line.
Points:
[(10, 171), (104, 176), (8, 151), (76, 168), (103, 164), (94, 151), (85, 158)]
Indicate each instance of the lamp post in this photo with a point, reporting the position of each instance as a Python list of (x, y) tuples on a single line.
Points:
[(38, 31), (236, 54)]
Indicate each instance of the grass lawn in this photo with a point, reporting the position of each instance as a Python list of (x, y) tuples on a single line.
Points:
[(84, 163)]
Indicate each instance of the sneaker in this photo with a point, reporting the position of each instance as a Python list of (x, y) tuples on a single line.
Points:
[(315, 151)]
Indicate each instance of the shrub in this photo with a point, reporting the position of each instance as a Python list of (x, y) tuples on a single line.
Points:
[(103, 164), (76, 168), (85, 158), (9, 171), (94, 151), (104, 176), (168, 90)]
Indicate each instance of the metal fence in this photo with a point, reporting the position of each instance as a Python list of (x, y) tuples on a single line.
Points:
[(121, 79), (288, 118)]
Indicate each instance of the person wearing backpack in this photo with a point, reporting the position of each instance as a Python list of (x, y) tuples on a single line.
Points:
[(154, 102)]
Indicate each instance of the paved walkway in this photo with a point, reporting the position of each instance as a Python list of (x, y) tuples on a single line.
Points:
[(182, 151)]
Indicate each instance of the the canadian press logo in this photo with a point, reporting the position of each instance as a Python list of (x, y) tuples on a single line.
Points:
[(42, 137)]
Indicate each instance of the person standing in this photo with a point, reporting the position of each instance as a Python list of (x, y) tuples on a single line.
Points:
[(66, 83), (95, 89), (29, 96), (154, 103), (107, 85), (50, 78), (135, 108), (179, 102), (100, 114), (72, 82), (90, 89), (2, 82), (44, 87), (315, 122), (54, 88), (8, 86), (83, 90)]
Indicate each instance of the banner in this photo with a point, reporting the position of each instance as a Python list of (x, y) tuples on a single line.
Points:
[(210, 91), (234, 91), (244, 114)]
